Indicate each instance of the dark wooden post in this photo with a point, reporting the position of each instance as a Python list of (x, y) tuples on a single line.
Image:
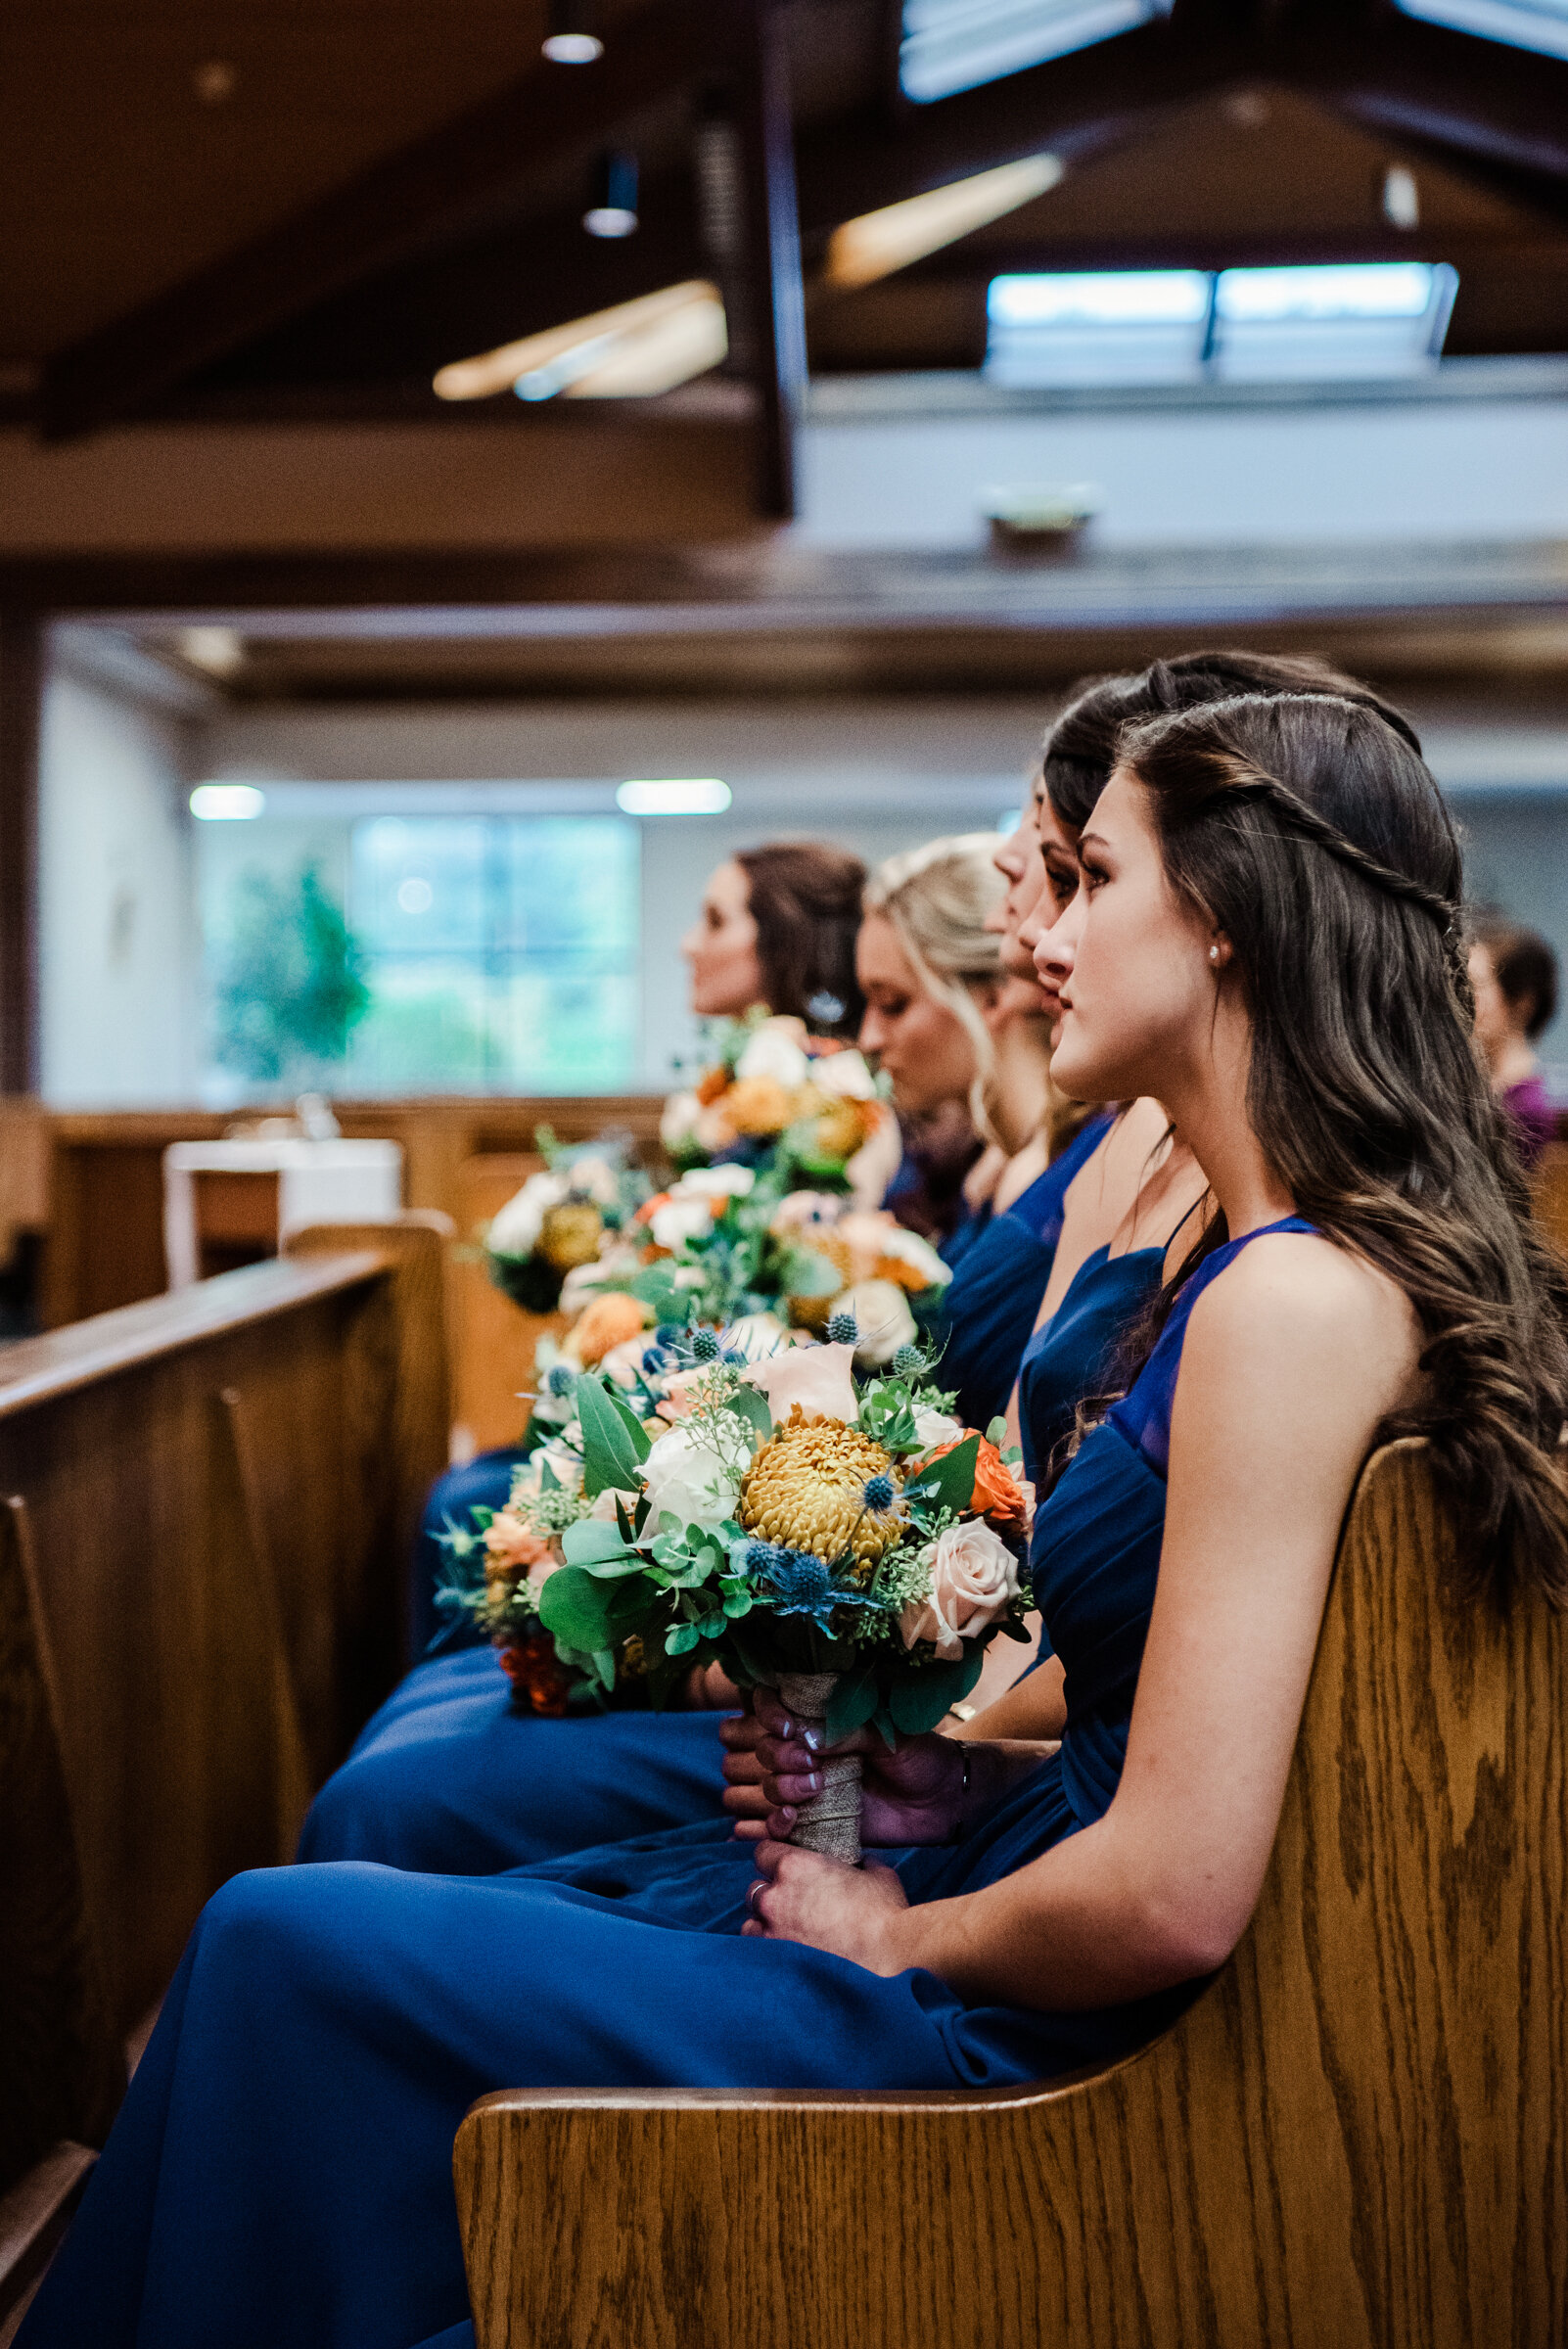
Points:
[(776, 325), (21, 701)]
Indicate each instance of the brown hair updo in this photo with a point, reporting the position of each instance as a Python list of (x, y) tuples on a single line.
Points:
[(1312, 833), (805, 898)]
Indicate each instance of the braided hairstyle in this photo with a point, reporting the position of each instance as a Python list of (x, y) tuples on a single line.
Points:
[(1308, 829), (1079, 749)]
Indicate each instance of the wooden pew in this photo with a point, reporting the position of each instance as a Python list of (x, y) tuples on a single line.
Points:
[(1357, 2135), (206, 1505), (495, 1339)]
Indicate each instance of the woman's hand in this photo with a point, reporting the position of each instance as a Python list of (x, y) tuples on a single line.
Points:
[(911, 1795), (856, 1913), (708, 1688)]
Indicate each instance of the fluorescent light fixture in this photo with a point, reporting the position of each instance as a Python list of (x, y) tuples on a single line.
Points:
[(1348, 290), (878, 243), (697, 795), (227, 803), (634, 351), (953, 45), (1539, 25), (573, 48), (1100, 298), (1308, 324)]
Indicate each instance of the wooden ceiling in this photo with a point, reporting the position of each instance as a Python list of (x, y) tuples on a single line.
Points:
[(142, 146)]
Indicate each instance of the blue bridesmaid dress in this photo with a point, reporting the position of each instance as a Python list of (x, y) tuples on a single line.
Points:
[(1002, 1264), (451, 1778), (1071, 1360), (280, 2176)]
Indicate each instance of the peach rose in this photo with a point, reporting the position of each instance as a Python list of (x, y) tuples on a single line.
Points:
[(757, 1105), (816, 1377), (973, 1576), (510, 1545)]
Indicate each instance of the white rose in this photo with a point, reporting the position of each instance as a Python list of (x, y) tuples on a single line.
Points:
[(595, 1178), (882, 1315), (677, 1222), (684, 1474), (516, 1228), (846, 1074), (678, 1123), (934, 1428), (777, 1049), (715, 1184), (973, 1576)]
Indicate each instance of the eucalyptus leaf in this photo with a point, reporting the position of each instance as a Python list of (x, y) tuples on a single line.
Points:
[(610, 1457), (852, 1701), (921, 1700), (996, 1432), (751, 1405), (591, 1541), (587, 1613), (949, 1483)]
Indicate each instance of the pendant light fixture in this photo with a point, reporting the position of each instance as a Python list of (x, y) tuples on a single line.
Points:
[(571, 39), (612, 213)]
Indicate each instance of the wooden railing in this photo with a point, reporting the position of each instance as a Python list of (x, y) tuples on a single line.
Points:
[(206, 1509)]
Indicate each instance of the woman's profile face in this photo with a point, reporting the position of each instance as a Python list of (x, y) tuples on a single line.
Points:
[(1129, 961), (1018, 861), (924, 1047), (1498, 1022), (727, 978), (1056, 851)]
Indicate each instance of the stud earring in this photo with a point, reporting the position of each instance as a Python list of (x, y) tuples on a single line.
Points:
[(1214, 955)]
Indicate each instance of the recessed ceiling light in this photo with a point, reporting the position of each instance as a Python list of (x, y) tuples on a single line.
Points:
[(691, 795), (219, 651), (227, 803), (573, 48), (215, 80)]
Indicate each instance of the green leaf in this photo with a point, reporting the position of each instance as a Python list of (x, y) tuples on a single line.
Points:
[(682, 1639), (641, 1440), (610, 1457), (591, 1541), (588, 1613), (922, 1699), (751, 1405), (949, 1483), (996, 1432), (853, 1701)]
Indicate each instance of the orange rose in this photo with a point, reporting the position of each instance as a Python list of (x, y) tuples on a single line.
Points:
[(757, 1105), (610, 1320), (711, 1083), (998, 1493)]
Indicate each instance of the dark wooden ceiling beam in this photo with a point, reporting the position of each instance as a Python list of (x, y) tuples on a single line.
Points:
[(775, 329), (457, 182)]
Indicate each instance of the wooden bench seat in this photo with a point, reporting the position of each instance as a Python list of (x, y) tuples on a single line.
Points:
[(1357, 2134)]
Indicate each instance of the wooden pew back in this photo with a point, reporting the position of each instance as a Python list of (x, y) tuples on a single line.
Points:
[(1357, 2134), (203, 1568)]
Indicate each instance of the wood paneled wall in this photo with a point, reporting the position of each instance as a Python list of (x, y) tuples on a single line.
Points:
[(205, 1504), (102, 1203)]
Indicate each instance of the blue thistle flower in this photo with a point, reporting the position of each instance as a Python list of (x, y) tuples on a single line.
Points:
[(560, 1380), (669, 1333), (805, 1586), (655, 1359), (909, 1362), (880, 1494), (705, 1346), (762, 1557), (843, 1329)]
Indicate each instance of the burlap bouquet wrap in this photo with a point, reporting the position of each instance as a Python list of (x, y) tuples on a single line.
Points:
[(830, 1823)]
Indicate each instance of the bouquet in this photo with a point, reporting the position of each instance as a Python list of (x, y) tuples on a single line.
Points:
[(847, 1544), (561, 1219), (804, 1108), (500, 1562), (727, 1242)]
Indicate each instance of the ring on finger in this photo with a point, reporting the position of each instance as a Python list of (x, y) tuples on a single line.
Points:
[(753, 1894)]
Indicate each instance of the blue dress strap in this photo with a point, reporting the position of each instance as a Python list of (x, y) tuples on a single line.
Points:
[(1144, 1413)]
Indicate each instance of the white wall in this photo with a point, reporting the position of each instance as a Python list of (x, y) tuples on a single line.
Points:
[(117, 921)]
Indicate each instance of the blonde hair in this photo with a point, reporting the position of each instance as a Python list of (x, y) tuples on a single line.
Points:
[(936, 899)]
